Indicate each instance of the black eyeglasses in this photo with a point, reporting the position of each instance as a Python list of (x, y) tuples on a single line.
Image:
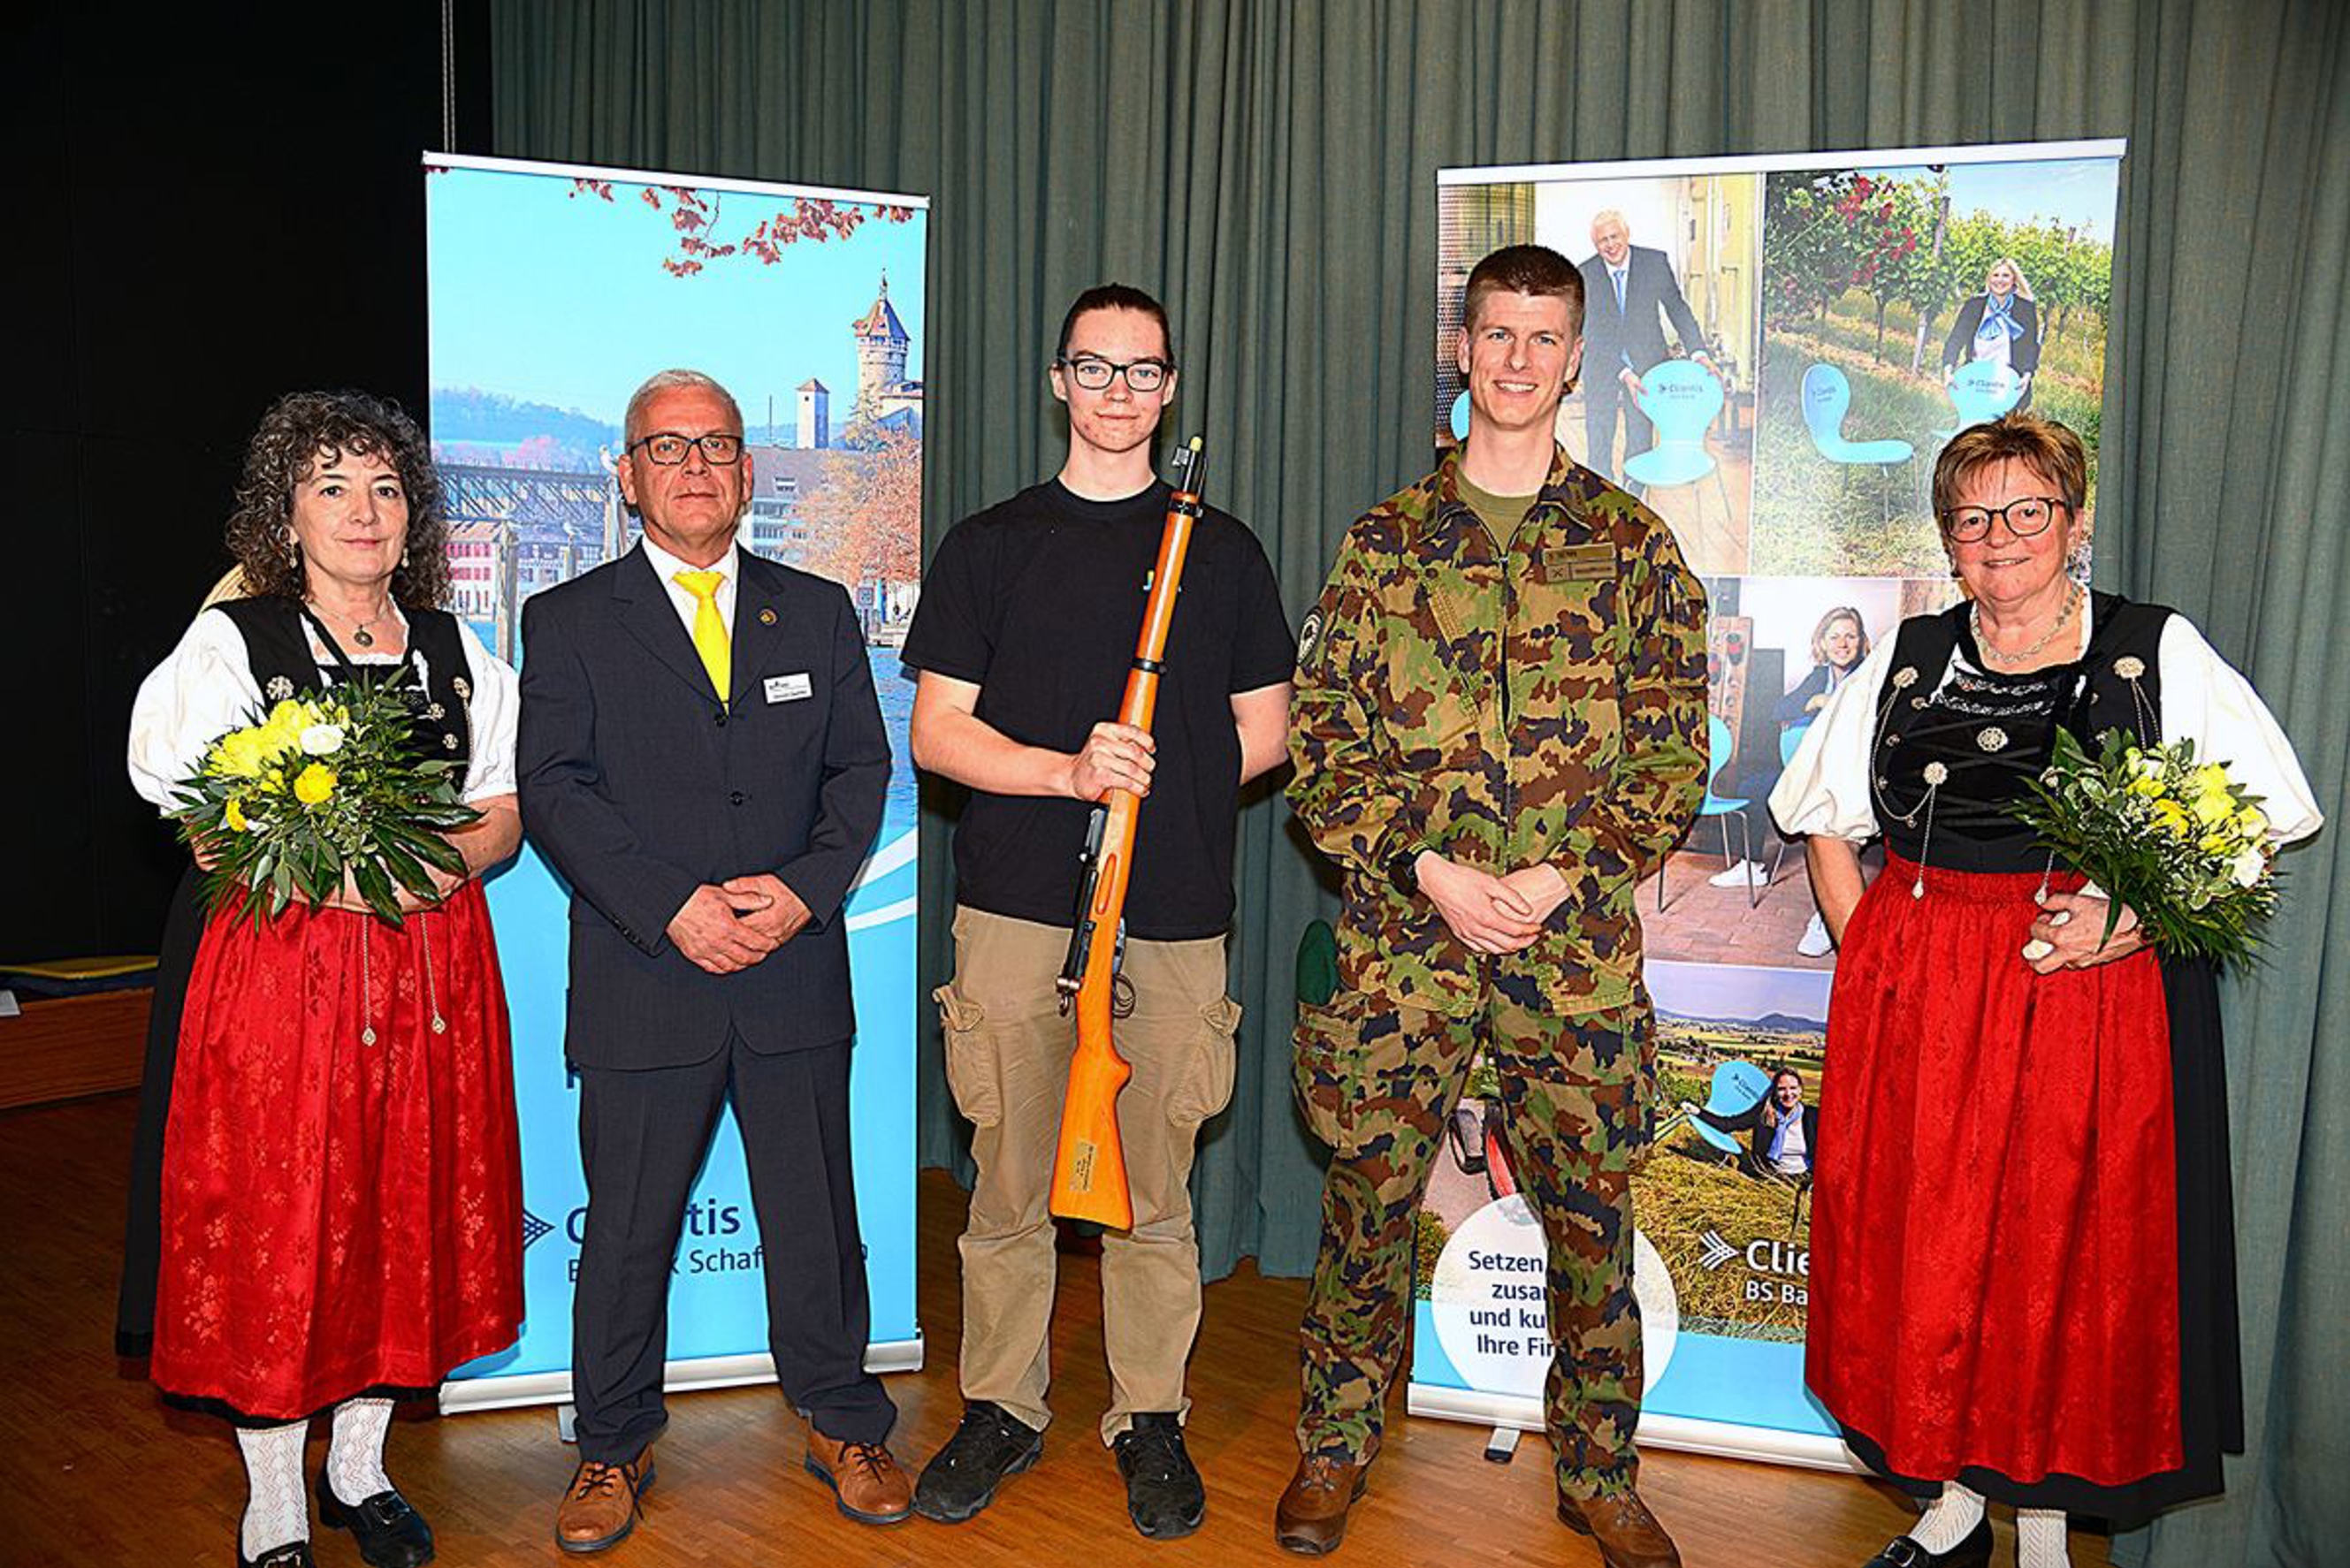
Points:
[(668, 448), (1095, 374), (2025, 518)]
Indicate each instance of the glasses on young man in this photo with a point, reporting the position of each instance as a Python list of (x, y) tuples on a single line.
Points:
[(2026, 517), (668, 448), (1095, 374)]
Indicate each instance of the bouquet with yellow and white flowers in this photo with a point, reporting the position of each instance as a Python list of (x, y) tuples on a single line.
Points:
[(320, 793), (2178, 841)]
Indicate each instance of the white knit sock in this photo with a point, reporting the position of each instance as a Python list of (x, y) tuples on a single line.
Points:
[(1949, 1519), (276, 1509), (355, 1457), (2040, 1538)]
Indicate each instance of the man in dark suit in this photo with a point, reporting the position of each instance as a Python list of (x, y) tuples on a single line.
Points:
[(703, 759), (1623, 288)]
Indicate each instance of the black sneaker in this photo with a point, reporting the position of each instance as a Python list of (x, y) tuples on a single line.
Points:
[(961, 1478), (1163, 1493)]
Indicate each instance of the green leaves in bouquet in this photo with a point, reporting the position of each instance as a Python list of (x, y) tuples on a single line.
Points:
[(320, 790), (2163, 834)]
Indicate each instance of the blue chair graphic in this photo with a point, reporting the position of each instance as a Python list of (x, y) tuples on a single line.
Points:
[(1733, 808), (1791, 737), (1738, 1088), (1681, 399), (1828, 395), (1982, 391)]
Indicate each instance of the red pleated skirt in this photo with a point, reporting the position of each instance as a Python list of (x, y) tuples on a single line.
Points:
[(1994, 1233), (339, 1216)]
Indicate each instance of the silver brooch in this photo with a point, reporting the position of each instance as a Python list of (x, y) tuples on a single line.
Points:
[(2129, 666), (1905, 678), (464, 688), (448, 743), (1992, 738), (279, 689), (436, 711), (1936, 774)]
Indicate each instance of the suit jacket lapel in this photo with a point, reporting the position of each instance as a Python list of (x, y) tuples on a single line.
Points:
[(648, 612), (758, 624)]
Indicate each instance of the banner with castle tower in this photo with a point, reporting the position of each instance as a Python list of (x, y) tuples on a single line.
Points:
[(555, 290)]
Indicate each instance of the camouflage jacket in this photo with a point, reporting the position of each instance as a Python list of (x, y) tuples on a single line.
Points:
[(1545, 706)]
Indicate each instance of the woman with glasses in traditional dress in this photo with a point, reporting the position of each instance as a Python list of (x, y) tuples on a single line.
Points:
[(2022, 1284)]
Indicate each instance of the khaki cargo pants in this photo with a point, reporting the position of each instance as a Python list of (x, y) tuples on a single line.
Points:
[(1008, 1051)]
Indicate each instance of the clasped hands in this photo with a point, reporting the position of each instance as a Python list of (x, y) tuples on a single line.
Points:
[(1491, 914), (731, 925)]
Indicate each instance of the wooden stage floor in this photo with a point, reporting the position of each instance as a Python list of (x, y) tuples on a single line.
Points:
[(94, 1470)]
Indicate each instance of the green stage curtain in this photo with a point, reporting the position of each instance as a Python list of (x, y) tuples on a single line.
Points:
[(1267, 167)]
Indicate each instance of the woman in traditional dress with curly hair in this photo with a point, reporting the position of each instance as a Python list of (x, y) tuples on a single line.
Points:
[(327, 1213)]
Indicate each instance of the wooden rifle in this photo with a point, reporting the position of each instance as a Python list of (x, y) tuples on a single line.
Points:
[(1089, 1171)]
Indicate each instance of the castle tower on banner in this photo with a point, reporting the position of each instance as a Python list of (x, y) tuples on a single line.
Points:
[(884, 398)]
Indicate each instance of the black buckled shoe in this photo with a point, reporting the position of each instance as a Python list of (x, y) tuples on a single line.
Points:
[(391, 1534), (961, 1478), (293, 1554), (1164, 1495), (1901, 1552)]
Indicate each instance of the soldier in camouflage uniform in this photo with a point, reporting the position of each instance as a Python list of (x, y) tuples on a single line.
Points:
[(1498, 728)]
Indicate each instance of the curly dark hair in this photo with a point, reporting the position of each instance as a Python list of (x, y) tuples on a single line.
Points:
[(300, 429)]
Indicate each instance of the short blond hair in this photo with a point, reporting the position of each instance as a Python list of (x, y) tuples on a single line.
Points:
[(2048, 449)]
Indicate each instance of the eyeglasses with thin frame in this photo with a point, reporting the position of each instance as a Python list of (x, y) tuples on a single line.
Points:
[(2025, 516), (668, 448), (1095, 374)]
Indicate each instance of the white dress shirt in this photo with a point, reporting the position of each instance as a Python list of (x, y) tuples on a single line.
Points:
[(666, 566)]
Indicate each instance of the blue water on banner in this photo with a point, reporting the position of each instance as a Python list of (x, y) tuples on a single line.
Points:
[(555, 290)]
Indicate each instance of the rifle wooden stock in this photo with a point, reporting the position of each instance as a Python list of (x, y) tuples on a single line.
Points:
[(1089, 1171)]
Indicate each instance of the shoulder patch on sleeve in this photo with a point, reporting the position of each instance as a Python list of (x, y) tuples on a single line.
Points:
[(1309, 637)]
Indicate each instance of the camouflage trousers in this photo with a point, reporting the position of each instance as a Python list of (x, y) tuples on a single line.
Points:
[(1380, 1084)]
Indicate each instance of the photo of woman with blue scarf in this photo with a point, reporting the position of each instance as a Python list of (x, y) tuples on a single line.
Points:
[(2001, 323)]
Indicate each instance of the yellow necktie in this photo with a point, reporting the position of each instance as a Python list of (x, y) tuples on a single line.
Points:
[(708, 626)]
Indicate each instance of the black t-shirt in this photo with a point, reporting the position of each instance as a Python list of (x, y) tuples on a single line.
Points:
[(1039, 601)]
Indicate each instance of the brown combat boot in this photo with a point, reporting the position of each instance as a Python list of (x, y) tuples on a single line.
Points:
[(866, 1481), (603, 1503), (1311, 1517), (1628, 1533)]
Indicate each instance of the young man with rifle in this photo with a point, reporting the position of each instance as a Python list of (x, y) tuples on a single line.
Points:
[(1499, 729), (1025, 640)]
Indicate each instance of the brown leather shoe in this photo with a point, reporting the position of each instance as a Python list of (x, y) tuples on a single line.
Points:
[(603, 1503), (1628, 1533), (1311, 1517), (866, 1482)]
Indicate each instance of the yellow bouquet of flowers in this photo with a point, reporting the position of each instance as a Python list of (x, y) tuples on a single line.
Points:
[(2177, 840), (319, 793)]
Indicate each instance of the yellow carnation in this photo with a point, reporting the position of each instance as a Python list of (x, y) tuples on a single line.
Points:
[(2213, 807), (313, 784), (2173, 817), (241, 752), (233, 814), (2216, 844)]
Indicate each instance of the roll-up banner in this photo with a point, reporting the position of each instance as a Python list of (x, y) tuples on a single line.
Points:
[(555, 290), (1776, 349)]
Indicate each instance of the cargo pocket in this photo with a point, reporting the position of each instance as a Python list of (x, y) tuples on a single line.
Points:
[(1207, 1085), (1327, 1070), (975, 1058)]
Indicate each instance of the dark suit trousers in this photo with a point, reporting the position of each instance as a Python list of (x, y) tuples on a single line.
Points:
[(642, 1136), (1603, 396)]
